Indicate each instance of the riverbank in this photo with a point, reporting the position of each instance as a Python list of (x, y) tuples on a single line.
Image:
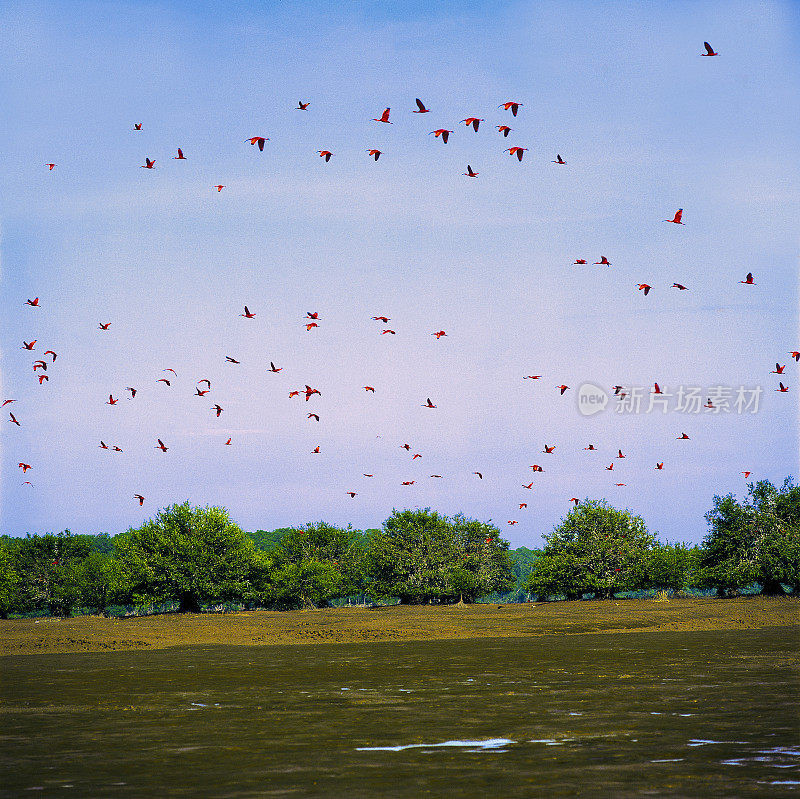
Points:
[(395, 623)]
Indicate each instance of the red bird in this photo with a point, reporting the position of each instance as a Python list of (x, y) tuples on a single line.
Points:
[(709, 50), (294, 394), (677, 218), (383, 319), (384, 332), (259, 140), (39, 365), (523, 505), (180, 156), (746, 474), (25, 467), (376, 154), (439, 334), (619, 454), (778, 370), (436, 475), (163, 380), (518, 151), (312, 314), (406, 447), (678, 286), (148, 164), (510, 521), (384, 117), (13, 420), (549, 450), (559, 160), (42, 378), (783, 389), (575, 500), (369, 388), (231, 360), (313, 416), (309, 391), (137, 125), (161, 445), (683, 437), (469, 173), (140, 498), (537, 468), (301, 106), (217, 409), (660, 465), (111, 400), (247, 314), (311, 325), (657, 389), (104, 325), (34, 302), (562, 388), (351, 494), (531, 377), (504, 129), (50, 166), (103, 444), (28, 345), (6, 402), (513, 106), (610, 467), (529, 486), (228, 442), (603, 261), (206, 381), (219, 187), (408, 482), (795, 355), (50, 352), (748, 281), (479, 475), (443, 132), (591, 448), (429, 404), (116, 448), (199, 393), (579, 261), (474, 121), (645, 288), (273, 368), (420, 107), (620, 484)]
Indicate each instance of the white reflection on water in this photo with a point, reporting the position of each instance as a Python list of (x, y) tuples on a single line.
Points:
[(490, 743)]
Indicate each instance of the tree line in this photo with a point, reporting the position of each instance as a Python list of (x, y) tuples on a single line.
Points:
[(193, 558)]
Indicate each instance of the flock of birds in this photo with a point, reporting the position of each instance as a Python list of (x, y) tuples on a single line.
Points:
[(312, 321)]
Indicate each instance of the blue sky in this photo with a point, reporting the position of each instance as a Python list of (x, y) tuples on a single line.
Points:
[(619, 90)]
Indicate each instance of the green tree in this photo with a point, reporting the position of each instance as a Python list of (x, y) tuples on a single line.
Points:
[(189, 555), (672, 567), (9, 581), (752, 541), (44, 564), (314, 564), (595, 549), (421, 556)]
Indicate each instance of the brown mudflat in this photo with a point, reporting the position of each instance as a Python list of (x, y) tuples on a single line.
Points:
[(396, 623)]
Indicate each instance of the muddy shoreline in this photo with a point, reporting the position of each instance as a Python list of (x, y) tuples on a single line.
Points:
[(424, 623)]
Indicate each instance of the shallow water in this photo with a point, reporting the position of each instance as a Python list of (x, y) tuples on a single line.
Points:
[(637, 714)]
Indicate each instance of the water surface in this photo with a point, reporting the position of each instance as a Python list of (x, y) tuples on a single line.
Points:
[(637, 714)]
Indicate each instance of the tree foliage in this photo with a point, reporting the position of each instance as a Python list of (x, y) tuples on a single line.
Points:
[(596, 549), (753, 541), (189, 555), (421, 556)]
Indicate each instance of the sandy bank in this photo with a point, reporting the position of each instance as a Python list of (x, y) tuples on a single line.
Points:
[(97, 634)]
